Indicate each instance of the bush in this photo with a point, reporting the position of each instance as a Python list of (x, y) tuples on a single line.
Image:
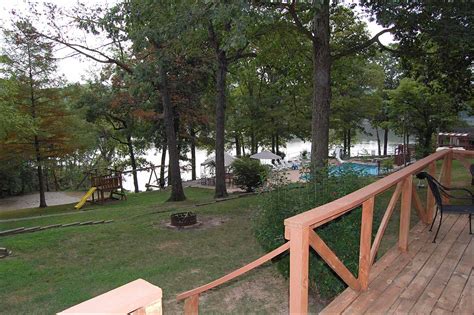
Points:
[(249, 174), (341, 235), (387, 165)]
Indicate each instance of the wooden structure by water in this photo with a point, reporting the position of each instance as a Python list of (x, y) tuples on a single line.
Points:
[(110, 183)]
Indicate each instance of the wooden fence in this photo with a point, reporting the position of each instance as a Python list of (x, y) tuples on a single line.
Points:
[(300, 230)]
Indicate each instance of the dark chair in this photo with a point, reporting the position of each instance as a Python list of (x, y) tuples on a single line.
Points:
[(439, 191)]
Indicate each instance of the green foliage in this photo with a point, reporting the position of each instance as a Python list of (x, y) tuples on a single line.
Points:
[(420, 110), (387, 165), (341, 235), (249, 174)]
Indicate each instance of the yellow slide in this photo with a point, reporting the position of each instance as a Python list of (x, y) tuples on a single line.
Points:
[(84, 199)]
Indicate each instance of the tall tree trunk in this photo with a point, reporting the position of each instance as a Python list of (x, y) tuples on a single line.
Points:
[(55, 178), (253, 145), (46, 179), (321, 87), (273, 144), (277, 147), (344, 132), (243, 145), (379, 151), (133, 162), (193, 152), (177, 192), (162, 168), (36, 142), (385, 141), (40, 173), (349, 142), (221, 190), (238, 151)]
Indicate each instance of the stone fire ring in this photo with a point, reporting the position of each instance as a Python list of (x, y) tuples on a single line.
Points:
[(183, 220)]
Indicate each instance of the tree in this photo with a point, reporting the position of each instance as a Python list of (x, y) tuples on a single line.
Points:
[(228, 33), (31, 68), (119, 116), (435, 42), (153, 33), (29, 60), (419, 110), (357, 89), (314, 22)]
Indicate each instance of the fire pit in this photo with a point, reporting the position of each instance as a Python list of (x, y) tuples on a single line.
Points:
[(183, 219)]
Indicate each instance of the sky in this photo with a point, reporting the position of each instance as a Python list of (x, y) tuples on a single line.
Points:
[(78, 69)]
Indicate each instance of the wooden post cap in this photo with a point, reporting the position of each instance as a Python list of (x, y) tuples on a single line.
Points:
[(137, 296)]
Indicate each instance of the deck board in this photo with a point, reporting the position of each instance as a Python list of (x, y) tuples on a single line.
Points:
[(430, 277)]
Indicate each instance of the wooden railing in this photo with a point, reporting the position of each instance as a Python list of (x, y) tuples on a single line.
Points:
[(299, 230)]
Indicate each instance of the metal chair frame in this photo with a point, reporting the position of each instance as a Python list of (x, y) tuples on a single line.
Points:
[(439, 190)]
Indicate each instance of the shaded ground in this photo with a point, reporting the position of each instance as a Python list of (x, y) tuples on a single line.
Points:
[(32, 200)]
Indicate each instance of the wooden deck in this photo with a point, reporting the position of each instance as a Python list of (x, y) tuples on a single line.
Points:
[(429, 278)]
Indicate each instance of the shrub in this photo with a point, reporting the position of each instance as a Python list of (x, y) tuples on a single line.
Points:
[(249, 174), (387, 165), (341, 235)]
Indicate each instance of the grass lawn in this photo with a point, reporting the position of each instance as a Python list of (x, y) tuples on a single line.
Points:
[(53, 269), (57, 268)]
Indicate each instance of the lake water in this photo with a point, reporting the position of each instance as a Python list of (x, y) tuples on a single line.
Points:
[(366, 145)]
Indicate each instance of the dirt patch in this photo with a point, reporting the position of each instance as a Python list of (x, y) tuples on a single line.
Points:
[(204, 222), (168, 245)]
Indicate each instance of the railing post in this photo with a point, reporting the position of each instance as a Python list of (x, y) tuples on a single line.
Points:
[(191, 305), (365, 242), (446, 179), (299, 265), (405, 213), (430, 201)]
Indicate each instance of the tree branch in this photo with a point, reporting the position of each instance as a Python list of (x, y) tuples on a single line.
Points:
[(86, 51), (299, 25), (364, 45)]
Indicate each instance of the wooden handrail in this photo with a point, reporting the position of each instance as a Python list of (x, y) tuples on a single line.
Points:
[(328, 212), (299, 228), (235, 273)]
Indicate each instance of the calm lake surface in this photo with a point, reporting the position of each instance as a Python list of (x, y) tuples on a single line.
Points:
[(365, 145)]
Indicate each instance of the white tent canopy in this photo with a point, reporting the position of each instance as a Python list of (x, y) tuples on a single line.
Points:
[(228, 159), (265, 155)]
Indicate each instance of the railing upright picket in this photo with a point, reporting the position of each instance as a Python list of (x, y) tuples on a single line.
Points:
[(299, 265), (191, 305), (366, 242), (430, 201), (405, 213)]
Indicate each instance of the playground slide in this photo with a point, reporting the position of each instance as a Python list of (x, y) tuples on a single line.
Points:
[(84, 199)]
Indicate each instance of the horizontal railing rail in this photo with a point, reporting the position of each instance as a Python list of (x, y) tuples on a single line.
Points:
[(191, 297), (300, 230)]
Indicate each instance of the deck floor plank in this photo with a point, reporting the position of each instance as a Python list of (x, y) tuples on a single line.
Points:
[(466, 301), (385, 282), (349, 295), (457, 282), (433, 290), (430, 277), (415, 289)]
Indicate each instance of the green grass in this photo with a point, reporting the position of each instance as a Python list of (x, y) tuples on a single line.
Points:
[(57, 268)]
